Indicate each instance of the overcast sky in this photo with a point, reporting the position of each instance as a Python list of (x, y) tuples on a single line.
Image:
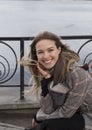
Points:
[(27, 18)]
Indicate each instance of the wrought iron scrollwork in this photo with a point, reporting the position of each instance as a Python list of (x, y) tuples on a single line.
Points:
[(85, 51), (6, 73)]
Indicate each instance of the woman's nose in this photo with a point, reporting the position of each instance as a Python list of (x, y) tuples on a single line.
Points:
[(46, 55)]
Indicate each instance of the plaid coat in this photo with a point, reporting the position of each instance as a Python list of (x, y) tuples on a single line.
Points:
[(79, 94)]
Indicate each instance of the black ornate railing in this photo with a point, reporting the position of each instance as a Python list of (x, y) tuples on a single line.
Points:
[(13, 48)]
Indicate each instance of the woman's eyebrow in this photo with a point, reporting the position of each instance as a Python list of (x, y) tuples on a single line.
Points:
[(46, 49)]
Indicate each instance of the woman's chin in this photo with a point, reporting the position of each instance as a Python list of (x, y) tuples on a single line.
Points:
[(48, 67)]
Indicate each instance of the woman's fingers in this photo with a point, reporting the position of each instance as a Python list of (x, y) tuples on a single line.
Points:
[(33, 123), (42, 71)]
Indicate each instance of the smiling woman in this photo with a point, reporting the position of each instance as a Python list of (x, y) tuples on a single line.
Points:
[(65, 85)]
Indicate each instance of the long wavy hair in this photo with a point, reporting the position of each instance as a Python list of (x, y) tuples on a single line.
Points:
[(66, 58)]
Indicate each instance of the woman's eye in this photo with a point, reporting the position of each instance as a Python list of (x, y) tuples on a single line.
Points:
[(50, 50), (40, 52)]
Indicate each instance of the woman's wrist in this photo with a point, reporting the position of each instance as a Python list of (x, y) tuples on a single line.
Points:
[(47, 76), (36, 119)]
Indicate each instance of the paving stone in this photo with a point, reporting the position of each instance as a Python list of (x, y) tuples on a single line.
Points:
[(4, 126)]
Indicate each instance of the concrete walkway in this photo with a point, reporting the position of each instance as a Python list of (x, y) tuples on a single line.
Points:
[(10, 100), (9, 127)]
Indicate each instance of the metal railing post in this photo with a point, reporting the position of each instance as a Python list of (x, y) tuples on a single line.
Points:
[(21, 71)]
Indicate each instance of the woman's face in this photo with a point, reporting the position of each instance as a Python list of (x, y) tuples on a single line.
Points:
[(47, 53)]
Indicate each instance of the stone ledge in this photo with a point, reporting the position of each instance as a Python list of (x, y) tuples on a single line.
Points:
[(19, 104)]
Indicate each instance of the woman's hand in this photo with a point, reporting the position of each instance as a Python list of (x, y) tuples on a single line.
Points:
[(45, 73)]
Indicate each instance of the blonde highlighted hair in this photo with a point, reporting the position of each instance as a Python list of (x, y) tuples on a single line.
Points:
[(67, 56)]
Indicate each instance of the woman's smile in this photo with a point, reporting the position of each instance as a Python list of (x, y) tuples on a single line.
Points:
[(47, 61)]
